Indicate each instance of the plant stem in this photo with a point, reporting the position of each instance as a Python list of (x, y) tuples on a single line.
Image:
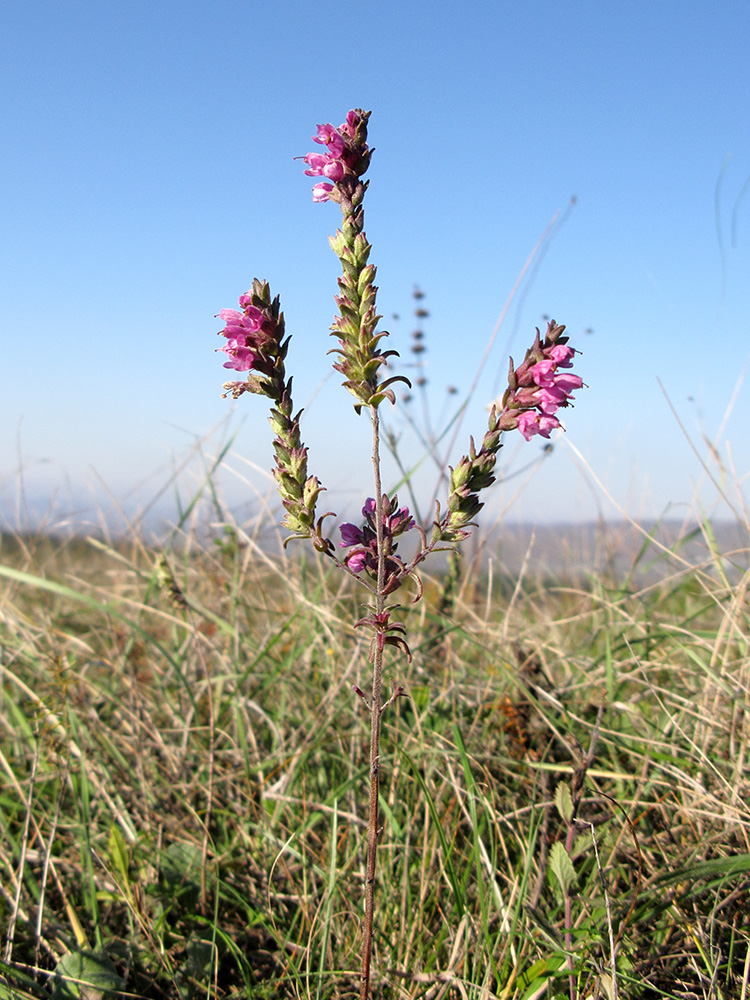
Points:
[(375, 713)]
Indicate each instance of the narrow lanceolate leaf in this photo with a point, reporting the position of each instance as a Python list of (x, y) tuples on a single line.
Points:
[(562, 867), (119, 855)]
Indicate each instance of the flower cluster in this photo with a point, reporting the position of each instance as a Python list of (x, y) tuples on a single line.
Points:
[(256, 344), (364, 554), (245, 334), (345, 161), (347, 156), (536, 391)]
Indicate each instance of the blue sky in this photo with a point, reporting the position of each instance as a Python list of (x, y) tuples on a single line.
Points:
[(148, 174)]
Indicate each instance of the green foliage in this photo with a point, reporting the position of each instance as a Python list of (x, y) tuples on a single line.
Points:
[(85, 975), (561, 867), (564, 801)]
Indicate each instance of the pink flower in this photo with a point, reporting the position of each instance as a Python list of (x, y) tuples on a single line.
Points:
[(543, 372), (316, 162), (328, 166), (537, 389), (350, 125), (550, 400), (568, 382), (241, 358), (356, 560), (249, 321), (553, 396), (243, 331), (334, 170), (346, 158), (322, 192), (329, 136), (530, 423), (561, 354), (350, 535)]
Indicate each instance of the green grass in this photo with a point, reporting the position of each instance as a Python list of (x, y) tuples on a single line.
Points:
[(183, 801)]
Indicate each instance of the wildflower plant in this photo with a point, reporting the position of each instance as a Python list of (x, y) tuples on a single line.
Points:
[(256, 343)]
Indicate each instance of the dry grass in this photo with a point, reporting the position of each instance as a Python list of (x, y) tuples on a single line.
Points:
[(184, 784)]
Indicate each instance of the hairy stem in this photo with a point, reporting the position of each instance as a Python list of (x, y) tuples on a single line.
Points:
[(375, 713)]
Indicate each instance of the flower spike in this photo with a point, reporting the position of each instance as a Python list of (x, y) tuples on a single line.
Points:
[(344, 163), (256, 344), (536, 391)]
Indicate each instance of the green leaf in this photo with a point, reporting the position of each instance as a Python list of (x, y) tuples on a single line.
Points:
[(180, 866), (119, 855), (562, 867), (539, 974), (85, 975), (191, 977), (564, 801)]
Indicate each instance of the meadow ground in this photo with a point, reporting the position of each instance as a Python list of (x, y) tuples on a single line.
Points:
[(564, 793)]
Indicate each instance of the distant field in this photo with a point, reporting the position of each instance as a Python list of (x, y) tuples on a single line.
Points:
[(565, 785), (615, 545)]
